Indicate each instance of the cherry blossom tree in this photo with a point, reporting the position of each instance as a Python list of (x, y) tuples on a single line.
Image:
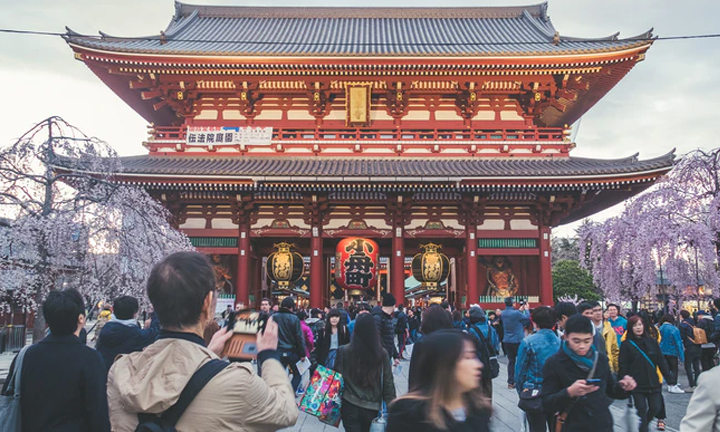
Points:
[(673, 229), (70, 225)]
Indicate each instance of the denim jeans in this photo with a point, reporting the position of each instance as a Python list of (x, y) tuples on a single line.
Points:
[(692, 361), (512, 350)]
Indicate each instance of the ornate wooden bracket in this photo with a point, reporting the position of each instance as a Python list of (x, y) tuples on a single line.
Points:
[(248, 95), (320, 100), (398, 214), (243, 209), (472, 209), (315, 209), (467, 102), (397, 100), (176, 208)]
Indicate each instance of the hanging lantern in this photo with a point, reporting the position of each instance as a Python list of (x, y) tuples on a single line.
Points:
[(356, 264), (284, 266), (430, 267)]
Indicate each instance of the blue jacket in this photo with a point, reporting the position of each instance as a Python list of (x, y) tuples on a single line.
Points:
[(532, 355), (514, 323), (670, 341), (619, 325), (488, 333), (117, 338)]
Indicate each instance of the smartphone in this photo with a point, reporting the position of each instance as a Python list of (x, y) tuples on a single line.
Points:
[(245, 325), (593, 381)]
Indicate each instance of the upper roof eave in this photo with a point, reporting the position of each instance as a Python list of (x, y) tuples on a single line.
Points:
[(183, 10)]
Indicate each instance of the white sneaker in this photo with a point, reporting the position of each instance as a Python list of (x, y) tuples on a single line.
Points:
[(675, 389)]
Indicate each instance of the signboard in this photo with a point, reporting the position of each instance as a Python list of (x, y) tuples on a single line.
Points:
[(223, 303), (204, 135)]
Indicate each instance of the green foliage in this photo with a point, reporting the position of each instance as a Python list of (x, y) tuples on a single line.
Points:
[(569, 279)]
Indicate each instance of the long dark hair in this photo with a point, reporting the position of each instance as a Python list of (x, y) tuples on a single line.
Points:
[(365, 353), (435, 318), (342, 328), (436, 364)]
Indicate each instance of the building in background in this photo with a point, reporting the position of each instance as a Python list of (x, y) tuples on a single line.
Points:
[(404, 126)]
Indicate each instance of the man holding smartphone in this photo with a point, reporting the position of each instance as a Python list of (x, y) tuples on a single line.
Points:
[(577, 380), (182, 289)]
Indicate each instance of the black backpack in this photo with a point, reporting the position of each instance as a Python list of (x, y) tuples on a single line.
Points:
[(486, 353), (167, 420)]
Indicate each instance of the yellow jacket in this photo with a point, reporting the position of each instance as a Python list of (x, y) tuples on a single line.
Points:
[(611, 346), (657, 368)]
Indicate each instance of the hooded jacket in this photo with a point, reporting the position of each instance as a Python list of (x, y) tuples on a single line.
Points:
[(384, 325), (118, 338), (612, 349), (236, 399)]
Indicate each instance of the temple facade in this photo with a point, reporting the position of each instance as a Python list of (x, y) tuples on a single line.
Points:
[(403, 126)]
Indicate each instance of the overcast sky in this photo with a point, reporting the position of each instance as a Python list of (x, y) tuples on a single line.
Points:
[(668, 101)]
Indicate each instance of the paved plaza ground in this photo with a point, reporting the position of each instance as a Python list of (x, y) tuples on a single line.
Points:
[(507, 417)]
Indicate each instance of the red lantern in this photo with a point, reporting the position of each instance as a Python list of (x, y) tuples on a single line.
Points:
[(356, 264)]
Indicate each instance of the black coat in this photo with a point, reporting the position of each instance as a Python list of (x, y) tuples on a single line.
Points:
[(290, 334), (634, 364), (590, 412), (63, 387), (322, 347), (116, 338), (411, 416), (384, 325)]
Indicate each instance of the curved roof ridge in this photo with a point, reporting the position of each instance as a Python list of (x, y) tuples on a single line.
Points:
[(177, 25), (612, 37), (226, 11), (544, 30)]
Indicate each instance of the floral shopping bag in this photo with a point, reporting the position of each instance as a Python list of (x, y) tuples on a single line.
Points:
[(323, 396)]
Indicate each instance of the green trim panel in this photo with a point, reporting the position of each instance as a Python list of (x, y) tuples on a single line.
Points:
[(504, 243), (216, 242)]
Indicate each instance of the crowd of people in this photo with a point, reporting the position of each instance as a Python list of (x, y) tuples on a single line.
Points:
[(566, 363)]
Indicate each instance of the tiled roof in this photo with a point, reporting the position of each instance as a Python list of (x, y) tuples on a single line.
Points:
[(383, 168), (274, 31)]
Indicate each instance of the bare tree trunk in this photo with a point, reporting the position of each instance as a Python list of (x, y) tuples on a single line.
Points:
[(46, 280)]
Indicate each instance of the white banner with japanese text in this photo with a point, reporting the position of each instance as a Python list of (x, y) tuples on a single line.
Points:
[(223, 135)]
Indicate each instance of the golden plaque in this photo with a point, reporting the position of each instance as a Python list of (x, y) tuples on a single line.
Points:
[(357, 104)]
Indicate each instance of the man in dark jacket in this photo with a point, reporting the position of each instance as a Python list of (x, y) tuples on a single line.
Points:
[(401, 328), (291, 342), (693, 351), (63, 381), (122, 334), (578, 381), (384, 324)]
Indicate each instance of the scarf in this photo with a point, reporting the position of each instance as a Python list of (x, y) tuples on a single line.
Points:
[(586, 363)]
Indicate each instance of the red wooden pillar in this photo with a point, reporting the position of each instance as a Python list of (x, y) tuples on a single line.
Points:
[(546, 288), (471, 266), (397, 267), (243, 268), (317, 267)]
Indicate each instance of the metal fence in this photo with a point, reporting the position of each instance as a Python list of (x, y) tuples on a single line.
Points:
[(12, 338)]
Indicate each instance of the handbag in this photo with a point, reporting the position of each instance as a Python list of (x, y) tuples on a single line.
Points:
[(379, 423), (323, 397), (530, 400), (10, 420)]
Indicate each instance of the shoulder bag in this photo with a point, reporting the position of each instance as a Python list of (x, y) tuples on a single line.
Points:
[(561, 417), (379, 423), (10, 419), (166, 422)]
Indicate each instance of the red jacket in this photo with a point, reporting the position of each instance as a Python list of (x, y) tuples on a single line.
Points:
[(309, 339)]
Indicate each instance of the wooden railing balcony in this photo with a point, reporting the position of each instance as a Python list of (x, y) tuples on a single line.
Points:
[(378, 142)]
